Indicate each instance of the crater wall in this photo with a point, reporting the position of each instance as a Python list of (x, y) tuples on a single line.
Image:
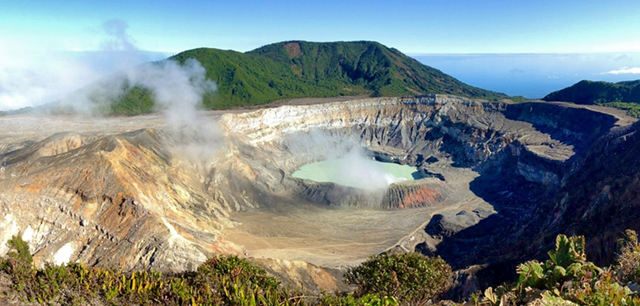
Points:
[(481, 136)]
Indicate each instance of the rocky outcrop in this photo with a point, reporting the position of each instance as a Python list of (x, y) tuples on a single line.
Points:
[(298, 274), (600, 200), (118, 200), (446, 225)]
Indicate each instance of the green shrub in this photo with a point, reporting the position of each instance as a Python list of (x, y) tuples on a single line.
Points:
[(567, 278), (568, 262), (606, 291), (223, 280), (239, 270), (19, 264), (405, 276), (19, 250), (240, 282), (629, 259), (350, 300), (632, 108)]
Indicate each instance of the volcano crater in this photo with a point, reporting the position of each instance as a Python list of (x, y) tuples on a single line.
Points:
[(473, 159), (131, 193)]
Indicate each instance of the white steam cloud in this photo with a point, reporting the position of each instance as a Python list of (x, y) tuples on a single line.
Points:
[(357, 169), (118, 39), (35, 78), (346, 161), (177, 89), (88, 82)]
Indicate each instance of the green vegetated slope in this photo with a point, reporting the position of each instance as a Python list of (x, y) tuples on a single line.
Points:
[(299, 69), (624, 95), (371, 66), (566, 278)]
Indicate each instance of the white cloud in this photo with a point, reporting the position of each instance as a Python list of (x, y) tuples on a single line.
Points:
[(37, 78), (625, 70), (31, 77)]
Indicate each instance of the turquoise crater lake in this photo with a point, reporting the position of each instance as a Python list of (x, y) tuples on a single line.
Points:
[(356, 171)]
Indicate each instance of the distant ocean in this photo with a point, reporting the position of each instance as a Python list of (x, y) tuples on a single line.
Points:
[(534, 75)]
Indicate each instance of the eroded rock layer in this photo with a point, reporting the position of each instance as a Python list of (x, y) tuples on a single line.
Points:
[(538, 138)]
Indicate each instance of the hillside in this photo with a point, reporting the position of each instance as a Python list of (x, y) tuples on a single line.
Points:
[(370, 65), (623, 95), (305, 69)]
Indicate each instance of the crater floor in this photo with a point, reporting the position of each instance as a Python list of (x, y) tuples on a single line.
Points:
[(345, 236)]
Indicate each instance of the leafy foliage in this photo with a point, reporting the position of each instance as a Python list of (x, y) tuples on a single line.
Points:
[(629, 259), (605, 291), (222, 280), (406, 276), (19, 250), (19, 264), (633, 109), (136, 101), (225, 280), (588, 92), (567, 278), (350, 300), (567, 262)]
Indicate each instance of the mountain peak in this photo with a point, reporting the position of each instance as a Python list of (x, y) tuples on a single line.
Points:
[(369, 65)]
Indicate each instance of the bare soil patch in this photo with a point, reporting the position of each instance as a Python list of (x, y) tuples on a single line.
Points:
[(293, 48)]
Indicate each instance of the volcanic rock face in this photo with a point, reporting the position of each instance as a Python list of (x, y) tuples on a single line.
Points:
[(474, 135), (133, 195), (117, 200), (599, 200)]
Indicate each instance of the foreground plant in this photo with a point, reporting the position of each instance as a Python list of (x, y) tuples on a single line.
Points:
[(223, 280), (567, 278), (567, 263), (408, 277), (628, 264)]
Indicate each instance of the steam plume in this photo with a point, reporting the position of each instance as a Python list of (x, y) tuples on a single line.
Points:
[(118, 39), (103, 77), (347, 162)]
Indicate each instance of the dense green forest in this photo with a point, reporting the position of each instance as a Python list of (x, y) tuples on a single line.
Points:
[(623, 95), (299, 69)]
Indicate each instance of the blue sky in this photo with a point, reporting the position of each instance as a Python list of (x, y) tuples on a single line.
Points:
[(50, 48), (534, 75), (454, 26)]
